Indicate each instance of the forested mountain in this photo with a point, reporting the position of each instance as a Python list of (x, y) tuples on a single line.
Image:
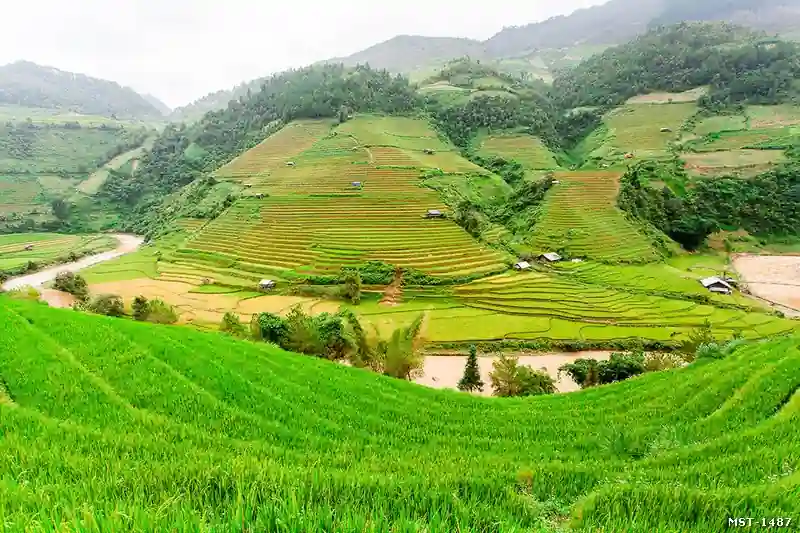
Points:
[(183, 153), (30, 85), (738, 65), (405, 53)]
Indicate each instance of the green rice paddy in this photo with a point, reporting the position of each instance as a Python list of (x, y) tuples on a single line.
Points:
[(113, 425)]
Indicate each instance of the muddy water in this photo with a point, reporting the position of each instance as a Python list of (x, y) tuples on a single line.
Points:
[(127, 244), (444, 371), (774, 278)]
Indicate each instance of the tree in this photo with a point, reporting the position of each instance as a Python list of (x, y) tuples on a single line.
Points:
[(140, 308), (108, 305), (73, 284), (402, 353), (61, 208), (269, 328), (697, 337), (620, 366), (352, 286), (509, 378), (232, 325), (471, 381)]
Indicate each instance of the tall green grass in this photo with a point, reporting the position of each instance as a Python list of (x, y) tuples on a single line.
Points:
[(113, 425)]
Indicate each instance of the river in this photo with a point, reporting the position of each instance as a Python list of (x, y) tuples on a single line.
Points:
[(127, 244)]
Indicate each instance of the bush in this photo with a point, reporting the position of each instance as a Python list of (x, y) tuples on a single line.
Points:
[(160, 312), (620, 366), (268, 327), (351, 290), (108, 305), (509, 378), (232, 325), (72, 283)]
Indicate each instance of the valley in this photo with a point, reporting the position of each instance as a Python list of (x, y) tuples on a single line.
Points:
[(469, 300)]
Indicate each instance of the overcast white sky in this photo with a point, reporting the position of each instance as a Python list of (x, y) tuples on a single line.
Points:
[(180, 50)]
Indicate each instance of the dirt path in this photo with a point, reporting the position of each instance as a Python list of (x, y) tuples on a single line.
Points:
[(444, 371), (773, 278), (127, 244)]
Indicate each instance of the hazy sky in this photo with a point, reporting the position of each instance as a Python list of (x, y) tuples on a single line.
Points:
[(180, 50)]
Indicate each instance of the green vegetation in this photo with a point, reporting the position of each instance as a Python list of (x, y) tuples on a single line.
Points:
[(287, 433)]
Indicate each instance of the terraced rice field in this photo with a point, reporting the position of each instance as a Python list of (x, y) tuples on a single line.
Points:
[(526, 149), (737, 140), (666, 98), (773, 116), (276, 150), (546, 296), (315, 221), (47, 247), (580, 218), (721, 123), (19, 194), (637, 128), (732, 162)]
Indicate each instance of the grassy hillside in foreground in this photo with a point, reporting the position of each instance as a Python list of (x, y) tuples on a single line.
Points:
[(114, 425)]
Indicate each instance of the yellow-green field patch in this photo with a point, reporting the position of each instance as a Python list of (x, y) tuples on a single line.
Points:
[(526, 149)]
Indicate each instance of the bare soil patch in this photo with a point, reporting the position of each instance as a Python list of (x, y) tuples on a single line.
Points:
[(775, 278)]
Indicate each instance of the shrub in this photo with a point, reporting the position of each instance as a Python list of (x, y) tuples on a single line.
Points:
[(268, 327), (509, 378), (658, 361), (24, 293), (232, 325), (402, 353), (471, 381), (160, 312), (140, 308), (620, 366), (72, 283), (108, 305)]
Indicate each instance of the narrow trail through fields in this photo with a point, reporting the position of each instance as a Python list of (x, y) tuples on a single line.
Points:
[(127, 244)]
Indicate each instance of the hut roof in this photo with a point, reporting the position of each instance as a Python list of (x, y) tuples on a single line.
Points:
[(522, 265), (551, 256), (715, 281)]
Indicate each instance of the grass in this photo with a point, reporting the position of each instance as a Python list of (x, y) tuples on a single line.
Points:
[(112, 425), (314, 221), (579, 217), (769, 116), (38, 115), (526, 149), (48, 248), (122, 163), (668, 98), (732, 162), (721, 123)]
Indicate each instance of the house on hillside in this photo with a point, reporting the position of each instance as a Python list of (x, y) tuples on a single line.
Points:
[(550, 257), (290, 163), (356, 184), (666, 130), (248, 185), (28, 248), (260, 196), (522, 265), (266, 284), (717, 285), (434, 213), (428, 151)]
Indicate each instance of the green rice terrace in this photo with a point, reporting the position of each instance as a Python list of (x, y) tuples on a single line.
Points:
[(165, 428), (35, 250)]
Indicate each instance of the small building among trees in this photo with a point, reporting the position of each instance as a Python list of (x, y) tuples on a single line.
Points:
[(522, 265), (550, 257), (717, 285), (266, 284)]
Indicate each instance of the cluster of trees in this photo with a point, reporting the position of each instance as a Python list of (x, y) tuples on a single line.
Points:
[(337, 337), (28, 84), (768, 204), (736, 64)]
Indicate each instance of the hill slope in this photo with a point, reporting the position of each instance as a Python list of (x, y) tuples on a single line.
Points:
[(116, 425), (27, 84)]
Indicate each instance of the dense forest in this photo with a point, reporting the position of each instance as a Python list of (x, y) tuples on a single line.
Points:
[(31, 85), (737, 65), (768, 204)]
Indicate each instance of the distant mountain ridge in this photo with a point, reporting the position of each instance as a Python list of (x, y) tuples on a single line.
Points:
[(30, 85), (548, 45)]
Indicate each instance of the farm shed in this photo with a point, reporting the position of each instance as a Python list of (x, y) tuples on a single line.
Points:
[(666, 130), (717, 285), (29, 247), (428, 151), (550, 257), (248, 185), (356, 184), (434, 213), (290, 163), (556, 182), (522, 265), (266, 284), (260, 195)]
